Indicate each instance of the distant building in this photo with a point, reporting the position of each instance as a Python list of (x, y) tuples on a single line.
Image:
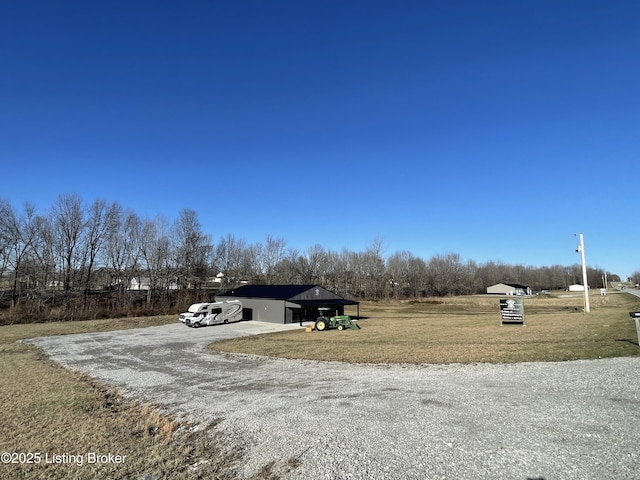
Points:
[(55, 285), (140, 283), (509, 289), (144, 283)]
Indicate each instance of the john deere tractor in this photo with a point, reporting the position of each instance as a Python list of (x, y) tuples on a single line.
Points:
[(325, 321)]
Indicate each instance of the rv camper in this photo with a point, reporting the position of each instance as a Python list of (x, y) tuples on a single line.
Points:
[(201, 314)]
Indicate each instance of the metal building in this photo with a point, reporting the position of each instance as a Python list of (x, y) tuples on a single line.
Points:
[(509, 289), (286, 303)]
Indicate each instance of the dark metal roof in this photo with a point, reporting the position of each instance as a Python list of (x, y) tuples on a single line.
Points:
[(299, 294), (325, 302), (274, 292)]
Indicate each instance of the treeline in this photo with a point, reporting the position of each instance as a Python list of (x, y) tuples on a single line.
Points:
[(81, 260)]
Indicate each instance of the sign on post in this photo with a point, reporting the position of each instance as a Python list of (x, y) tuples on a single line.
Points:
[(511, 311), (636, 317)]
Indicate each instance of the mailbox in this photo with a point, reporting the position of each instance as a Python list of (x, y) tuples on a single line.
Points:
[(634, 314)]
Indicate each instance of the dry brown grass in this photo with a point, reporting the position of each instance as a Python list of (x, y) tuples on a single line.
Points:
[(463, 330)]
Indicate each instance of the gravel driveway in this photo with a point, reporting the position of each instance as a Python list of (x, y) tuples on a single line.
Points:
[(569, 420)]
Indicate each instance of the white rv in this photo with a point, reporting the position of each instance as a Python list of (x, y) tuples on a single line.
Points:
[(201, 314)]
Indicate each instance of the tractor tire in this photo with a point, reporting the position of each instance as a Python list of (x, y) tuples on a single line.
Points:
[(321, 325), (340, 327)]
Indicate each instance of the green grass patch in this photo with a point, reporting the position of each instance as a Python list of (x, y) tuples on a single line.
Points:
[(463, 330)]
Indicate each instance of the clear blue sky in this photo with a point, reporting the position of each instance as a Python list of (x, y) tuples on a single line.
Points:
[(492, 129)]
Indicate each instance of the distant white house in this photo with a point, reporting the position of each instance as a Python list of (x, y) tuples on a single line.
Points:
[(140, 283), (576, 288), (509, 289), (144, 283), (55, 285)]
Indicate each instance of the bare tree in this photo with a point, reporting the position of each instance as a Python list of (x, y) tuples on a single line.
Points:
[(71, 242), (447, 275), (237, 260), (227, 258), (100, 221), (271, 254), (318, 265), (46, 252), (405, 272), (417, 276), (490, 273), (157, 254), (69, 227), (193, 248), (250, 264), (6, 211), (372, 270), (123, 249), (346, 273), (291, 269), (18, 234)]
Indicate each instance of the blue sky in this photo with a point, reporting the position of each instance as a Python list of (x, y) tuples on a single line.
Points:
[(496, 129)]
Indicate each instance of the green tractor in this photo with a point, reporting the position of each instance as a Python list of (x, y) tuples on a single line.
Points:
[(325, 322)]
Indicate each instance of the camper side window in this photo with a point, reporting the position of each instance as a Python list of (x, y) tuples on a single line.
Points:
[(216, 311)]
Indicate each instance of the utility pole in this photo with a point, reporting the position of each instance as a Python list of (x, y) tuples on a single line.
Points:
[(580, 249)]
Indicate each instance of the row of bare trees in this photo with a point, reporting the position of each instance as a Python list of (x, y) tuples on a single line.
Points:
[(76, 249)]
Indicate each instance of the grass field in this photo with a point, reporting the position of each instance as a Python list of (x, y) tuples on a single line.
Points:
[(49, 410), (464, 330)]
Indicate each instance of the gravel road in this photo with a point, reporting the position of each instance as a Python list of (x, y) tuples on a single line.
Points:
[(569, 420)]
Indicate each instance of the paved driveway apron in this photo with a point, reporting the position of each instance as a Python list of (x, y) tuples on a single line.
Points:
[(569, 420)]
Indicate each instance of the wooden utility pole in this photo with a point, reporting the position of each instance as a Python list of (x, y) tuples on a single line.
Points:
[(587, 307)]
